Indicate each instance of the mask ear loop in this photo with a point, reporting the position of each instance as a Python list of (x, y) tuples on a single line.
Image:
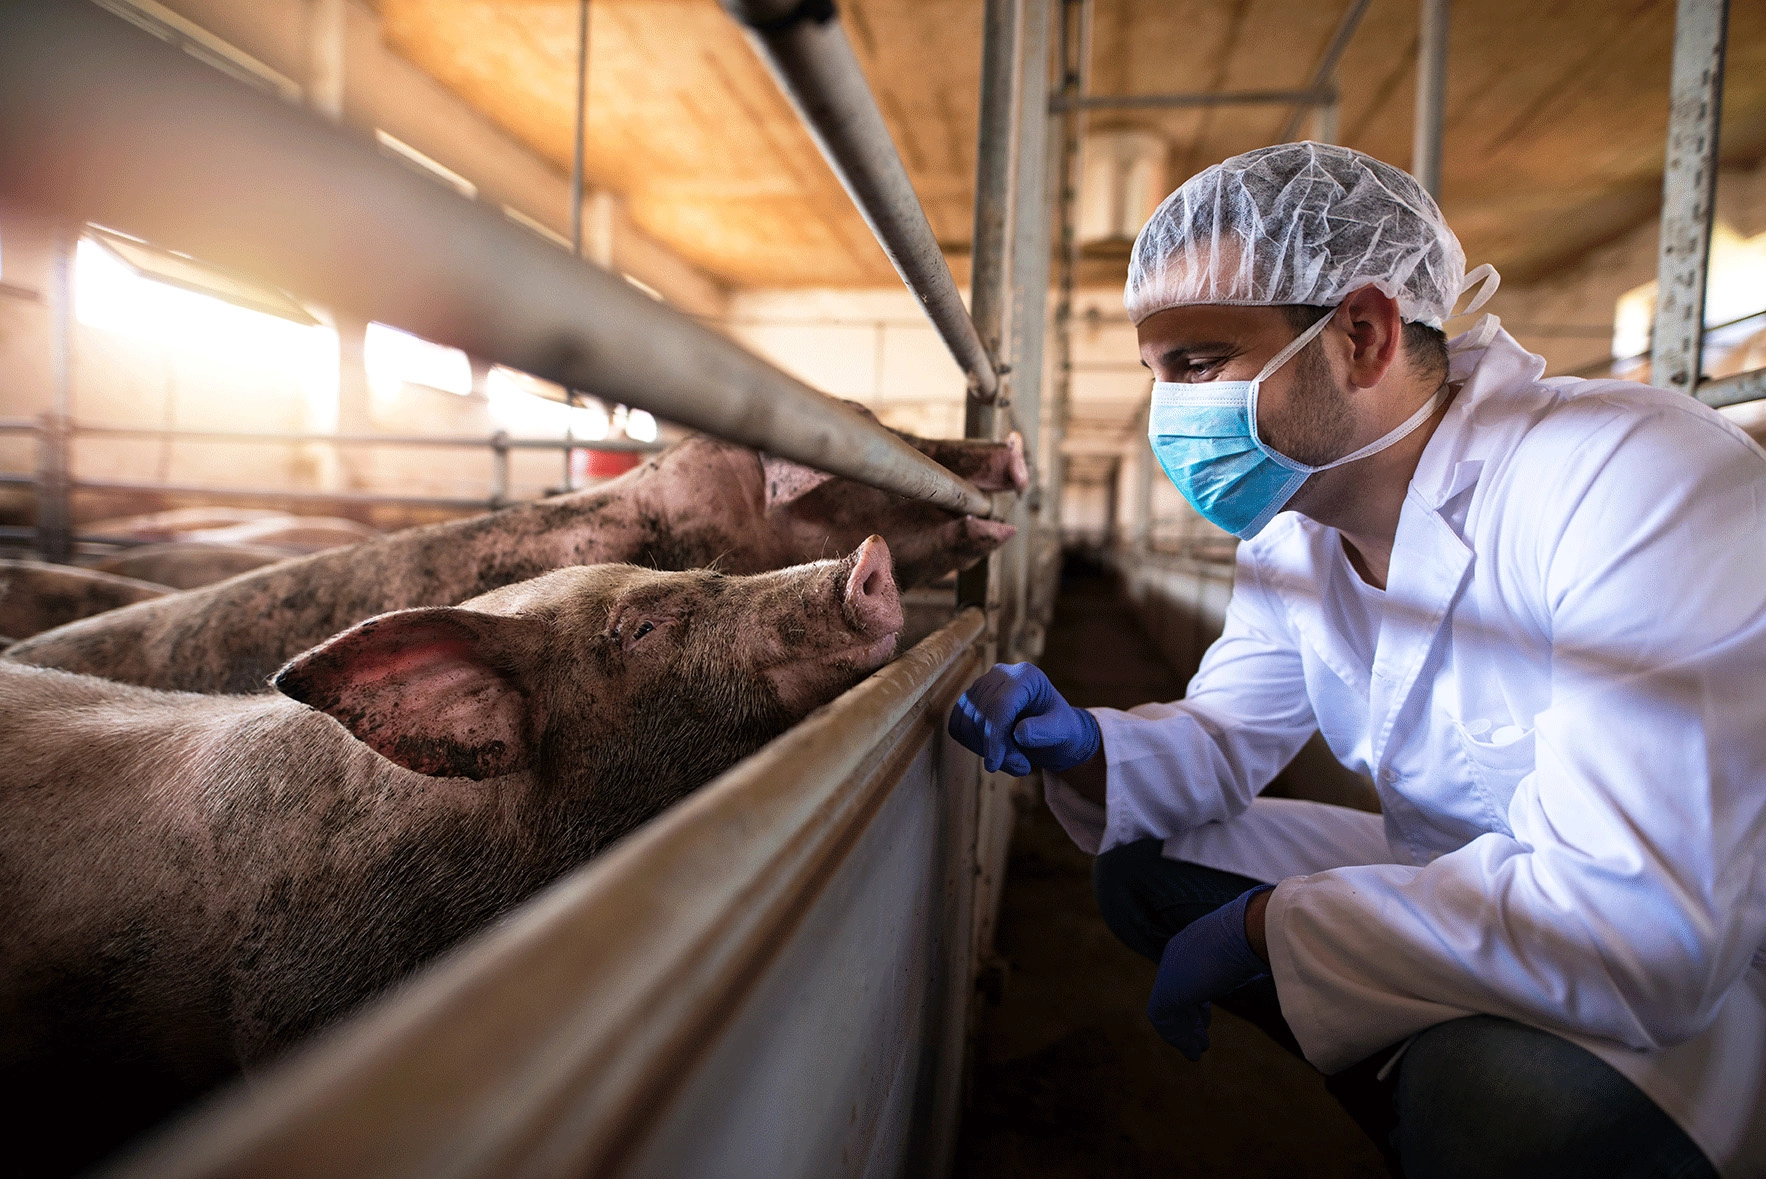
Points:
[(1275, 363)]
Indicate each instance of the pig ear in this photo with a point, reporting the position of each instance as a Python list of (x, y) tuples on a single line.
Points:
[(431, 689), (787, 481)]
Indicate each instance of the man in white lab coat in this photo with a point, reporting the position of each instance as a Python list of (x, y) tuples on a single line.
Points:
[(1534, 611)]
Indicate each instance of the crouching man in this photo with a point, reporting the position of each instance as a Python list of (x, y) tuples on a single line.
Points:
[(1534, 611)]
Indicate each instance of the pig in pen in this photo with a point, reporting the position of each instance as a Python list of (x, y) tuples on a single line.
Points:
[(266, 866)]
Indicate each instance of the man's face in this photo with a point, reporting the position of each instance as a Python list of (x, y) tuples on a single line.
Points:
[(1302, 409)]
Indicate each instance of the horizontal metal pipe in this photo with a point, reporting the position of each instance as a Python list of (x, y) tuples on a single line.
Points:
[(807, 50), (1097, 102), (20, 425), (537, 1049), (102, 122), (10, 480), (1734, 390), (342, 497), (482, 442)]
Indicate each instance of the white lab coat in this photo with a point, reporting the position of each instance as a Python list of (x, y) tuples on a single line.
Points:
[(1565, 720)]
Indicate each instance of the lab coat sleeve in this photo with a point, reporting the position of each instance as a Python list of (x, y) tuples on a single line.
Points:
[(1630, 895), (1204, 758)]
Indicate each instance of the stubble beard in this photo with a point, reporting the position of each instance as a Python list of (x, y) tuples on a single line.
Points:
[(1319, 427)]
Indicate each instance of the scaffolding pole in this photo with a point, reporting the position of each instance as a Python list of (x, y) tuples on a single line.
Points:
[(804, 45), (54, 507), (1324, 77), (124, 130), (1075, 43), (1689, 193), (1029, 316), (990, 258), (1431, 95)]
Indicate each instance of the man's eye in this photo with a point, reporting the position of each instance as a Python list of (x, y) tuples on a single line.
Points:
[(1198, 369)]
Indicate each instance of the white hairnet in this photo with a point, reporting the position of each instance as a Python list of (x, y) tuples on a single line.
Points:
[(1299, 223)]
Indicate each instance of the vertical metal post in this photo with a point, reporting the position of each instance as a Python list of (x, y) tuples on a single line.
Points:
[(989, 255), (325, 57), (1031, 222), (578, 147), (1076, 19), (499, 468), (582, 118), (1689, 192), (54, 516), (1327, 115), (1431, 95)]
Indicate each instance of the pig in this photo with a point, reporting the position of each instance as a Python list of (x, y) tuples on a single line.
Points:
[(193, 883), (188, 564), (701, 503), (36, 597)]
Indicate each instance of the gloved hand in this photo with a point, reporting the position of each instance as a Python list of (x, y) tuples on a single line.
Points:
[(1204, 960), (1013, 717)]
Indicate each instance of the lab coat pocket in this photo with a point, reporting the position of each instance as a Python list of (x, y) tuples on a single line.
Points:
[(1497, 758)]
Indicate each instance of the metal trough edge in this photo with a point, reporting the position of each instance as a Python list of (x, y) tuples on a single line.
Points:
[(547, 1044)]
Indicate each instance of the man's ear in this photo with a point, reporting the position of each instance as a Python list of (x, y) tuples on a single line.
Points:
[(437, 690)]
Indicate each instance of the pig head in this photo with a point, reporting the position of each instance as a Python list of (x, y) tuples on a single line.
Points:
[(618, 689)]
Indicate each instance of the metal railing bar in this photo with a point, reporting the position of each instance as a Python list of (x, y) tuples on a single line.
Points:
[(1327, 66), (1689, 192), (622, 445), (806, 48), (249, 183), (20, 426), (344, 497), (1734, 390), (536, 1050), (10, 480), (1105, 102)]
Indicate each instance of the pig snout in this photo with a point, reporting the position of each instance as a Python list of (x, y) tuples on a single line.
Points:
[(871, 605), (842, 627)]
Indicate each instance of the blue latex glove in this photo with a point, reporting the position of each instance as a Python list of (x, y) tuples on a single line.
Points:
[(1206, 959), (1013, 717)]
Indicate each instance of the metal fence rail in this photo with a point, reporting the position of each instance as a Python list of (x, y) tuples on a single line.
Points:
[(806, 48), (595, 1046), (249, 183)]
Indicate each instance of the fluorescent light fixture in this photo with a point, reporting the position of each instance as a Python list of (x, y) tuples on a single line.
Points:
[(640, 425), (398, 149), (394, 359), (529, 407), (536, 226), (112, 295), (644, 286), (181, 270), (203, 45)]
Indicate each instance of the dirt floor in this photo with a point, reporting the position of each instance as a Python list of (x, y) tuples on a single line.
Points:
[(1070, 1079)]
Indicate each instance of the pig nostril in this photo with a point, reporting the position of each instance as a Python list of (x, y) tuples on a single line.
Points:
[(873, 585)]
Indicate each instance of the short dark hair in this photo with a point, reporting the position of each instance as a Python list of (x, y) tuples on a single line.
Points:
[(1426, 346)]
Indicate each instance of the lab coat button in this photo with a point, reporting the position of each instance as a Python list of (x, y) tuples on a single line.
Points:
[(1388, 776)]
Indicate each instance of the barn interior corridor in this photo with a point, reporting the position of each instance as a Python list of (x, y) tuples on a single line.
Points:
[(1070, 1079)]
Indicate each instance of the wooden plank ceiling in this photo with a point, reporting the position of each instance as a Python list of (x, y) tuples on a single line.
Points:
[(1555, 117)]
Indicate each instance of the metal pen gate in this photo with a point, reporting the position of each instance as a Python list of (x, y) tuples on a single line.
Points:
[(775, 977)]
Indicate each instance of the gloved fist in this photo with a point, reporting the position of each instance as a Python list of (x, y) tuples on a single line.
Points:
[(1013, 717), (1206, 959)]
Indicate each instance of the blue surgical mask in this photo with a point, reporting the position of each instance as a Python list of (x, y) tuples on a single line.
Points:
[(1205, 436)]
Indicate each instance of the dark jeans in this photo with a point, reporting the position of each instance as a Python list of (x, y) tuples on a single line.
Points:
[(1480, 1096)]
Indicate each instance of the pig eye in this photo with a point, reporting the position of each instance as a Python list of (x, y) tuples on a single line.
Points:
[(644, 628)]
